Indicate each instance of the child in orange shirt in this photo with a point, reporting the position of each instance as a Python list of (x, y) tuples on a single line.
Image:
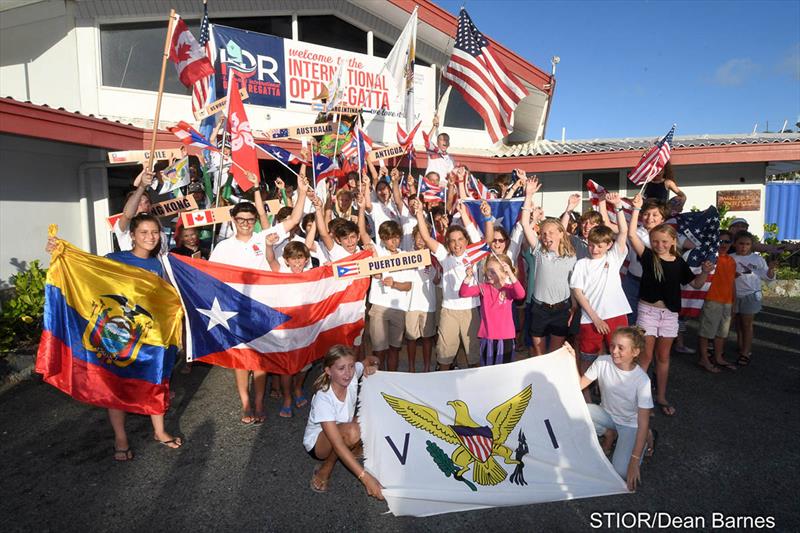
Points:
[(715, 318)]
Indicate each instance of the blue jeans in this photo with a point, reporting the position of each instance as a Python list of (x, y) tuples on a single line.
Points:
[(630, 286), (626, 438)]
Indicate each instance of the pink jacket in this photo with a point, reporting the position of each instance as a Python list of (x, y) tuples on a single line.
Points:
[(497, 319)]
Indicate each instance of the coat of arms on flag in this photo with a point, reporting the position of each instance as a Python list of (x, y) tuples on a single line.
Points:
[(503, 435)]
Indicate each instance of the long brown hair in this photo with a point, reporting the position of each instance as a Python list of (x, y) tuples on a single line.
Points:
[(658, 268), (565, 247), (323, 382)]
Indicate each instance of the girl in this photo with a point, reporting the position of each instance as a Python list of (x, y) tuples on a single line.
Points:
[(660, 186), (497, 293), (552, 307), (332, 432), (663, 273), (626, 402), (750, 270), (188, 240), (459, 318), (145, 235)]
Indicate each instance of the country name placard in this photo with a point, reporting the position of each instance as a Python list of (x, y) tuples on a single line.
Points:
[(387, 152), (309, 130), (382, 264), (140, 156), (342, 109), (217, 106), (217, 215), (163, 209)]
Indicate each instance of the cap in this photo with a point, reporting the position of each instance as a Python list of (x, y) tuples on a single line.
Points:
[(738, 221)]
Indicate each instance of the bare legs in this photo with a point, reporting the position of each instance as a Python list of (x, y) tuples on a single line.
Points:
[(660, 346), (122, 447), (427, 348), (259, 388), (351, 433)]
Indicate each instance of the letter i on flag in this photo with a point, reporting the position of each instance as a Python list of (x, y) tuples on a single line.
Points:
[(243, 147)]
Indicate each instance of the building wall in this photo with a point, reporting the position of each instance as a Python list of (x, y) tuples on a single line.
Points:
[(39, 185)]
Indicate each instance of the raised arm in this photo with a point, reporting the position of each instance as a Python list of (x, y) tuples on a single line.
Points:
[(431, 243), (572, 202), (514, 188), (602, 208), (142, 182), (636, 242), (322, 225), (262, 213), (622, 235), (397, 194), (532, 186), (269, 252), (363, 234), (282, 196), (297, 211), (488, 222), (365, 189)]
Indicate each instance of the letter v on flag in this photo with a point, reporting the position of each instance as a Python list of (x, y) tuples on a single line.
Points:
[(243, 146), (258, 320)]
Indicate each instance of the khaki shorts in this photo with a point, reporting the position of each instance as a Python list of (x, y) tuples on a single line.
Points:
[(715, 320), (420, 324), (457, 326), (386, 327)]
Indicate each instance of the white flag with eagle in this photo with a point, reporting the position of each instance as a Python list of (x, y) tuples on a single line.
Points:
[(503, 435)]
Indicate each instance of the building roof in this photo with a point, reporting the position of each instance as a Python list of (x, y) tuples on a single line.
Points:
[(548, 147)]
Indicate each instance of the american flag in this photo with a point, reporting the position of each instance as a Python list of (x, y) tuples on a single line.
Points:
[(653, 161), (203, 90), (482, 79), (702, 228), (476, 252), (596, 191)]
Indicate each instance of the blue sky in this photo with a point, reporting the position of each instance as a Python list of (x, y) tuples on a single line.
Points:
[(633, 68)]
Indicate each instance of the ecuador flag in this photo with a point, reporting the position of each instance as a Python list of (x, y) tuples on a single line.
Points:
[(111, 332)]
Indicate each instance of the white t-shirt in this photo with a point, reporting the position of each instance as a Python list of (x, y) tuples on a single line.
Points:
[(442, 166), (381, 213), (515, 243), (600, 282), (246, 254), (454, 272), (623, 392), (284, 267), (423, 290), (326, 407), (408, 223), (752, 269), (337, 253), (391, 298), (126, 243)]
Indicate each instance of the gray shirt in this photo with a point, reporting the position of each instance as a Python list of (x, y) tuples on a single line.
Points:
[(581, 247), (552, 276)]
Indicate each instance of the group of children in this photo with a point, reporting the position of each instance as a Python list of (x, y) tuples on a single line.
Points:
[(609, 291)]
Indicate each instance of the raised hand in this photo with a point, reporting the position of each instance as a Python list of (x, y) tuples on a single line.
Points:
[(486, 211), (395, 174), (272, 239), (252, 178), (279, 183), (637, 201), (573, 201), (707, 267), (470, 271), (614, 198)]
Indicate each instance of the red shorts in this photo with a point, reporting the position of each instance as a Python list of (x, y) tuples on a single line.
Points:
[(591, 340)]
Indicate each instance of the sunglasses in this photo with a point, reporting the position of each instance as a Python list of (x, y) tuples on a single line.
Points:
[(725, 241), (499, 240)]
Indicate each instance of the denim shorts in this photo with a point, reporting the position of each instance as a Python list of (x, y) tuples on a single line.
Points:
[(749, 304)]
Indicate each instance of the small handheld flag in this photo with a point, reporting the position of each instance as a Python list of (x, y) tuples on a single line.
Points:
[(476, 252), (653, 161)]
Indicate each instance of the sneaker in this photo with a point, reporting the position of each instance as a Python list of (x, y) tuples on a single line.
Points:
[(685, 350)]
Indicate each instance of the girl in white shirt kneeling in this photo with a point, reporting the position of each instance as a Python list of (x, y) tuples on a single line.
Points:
[(332, 432), (626, 402)]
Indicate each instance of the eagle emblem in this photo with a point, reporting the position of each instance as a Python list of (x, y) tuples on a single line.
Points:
[(477, 446)]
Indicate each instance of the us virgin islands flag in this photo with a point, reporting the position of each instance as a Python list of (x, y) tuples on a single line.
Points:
[(503, 435)]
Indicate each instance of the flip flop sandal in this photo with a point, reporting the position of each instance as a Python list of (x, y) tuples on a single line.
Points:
[(744, 360), (247, 419), (126, 455), (177, 440), (711, 368), (727, 366), (300, 401), (664, 407), (285, 412), (259, 418), (320, 487)]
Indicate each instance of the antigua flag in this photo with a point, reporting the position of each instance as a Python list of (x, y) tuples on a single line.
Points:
[(284, 156), (505, 212), (191, 137), (702, 228), (260, 320), (346, 270), (476, 252)]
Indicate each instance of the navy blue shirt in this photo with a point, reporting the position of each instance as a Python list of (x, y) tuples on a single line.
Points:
[(151, 263)]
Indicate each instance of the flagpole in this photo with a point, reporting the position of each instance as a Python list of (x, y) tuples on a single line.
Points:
[(165, 56), (220, 170)]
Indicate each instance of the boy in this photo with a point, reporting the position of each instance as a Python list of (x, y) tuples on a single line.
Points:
[(715, 318), (597, 287)]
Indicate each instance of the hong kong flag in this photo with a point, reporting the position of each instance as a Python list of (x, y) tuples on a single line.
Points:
[(243, 147)]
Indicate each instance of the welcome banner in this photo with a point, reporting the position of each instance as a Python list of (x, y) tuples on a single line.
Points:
[(504, 435), (288, 74)]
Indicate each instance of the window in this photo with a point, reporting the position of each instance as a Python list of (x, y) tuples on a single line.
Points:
[(608, 180), (459, 113), (327, 30), (277, 26), (131, 54)]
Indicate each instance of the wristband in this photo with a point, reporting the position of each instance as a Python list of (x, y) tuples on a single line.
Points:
[(632, 455), (619, 209), (637, 208), (488, 219)]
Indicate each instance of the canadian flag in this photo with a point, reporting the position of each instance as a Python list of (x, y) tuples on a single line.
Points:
[(190, 59), (198, 218), (243, 146)]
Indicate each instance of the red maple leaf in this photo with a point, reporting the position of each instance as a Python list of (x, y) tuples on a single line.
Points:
[(182, 52)]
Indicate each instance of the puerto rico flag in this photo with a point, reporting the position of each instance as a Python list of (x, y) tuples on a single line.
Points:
[(285, 156), (260, 320), (430, 192), (347, 270), (476, 252), (191, 137)]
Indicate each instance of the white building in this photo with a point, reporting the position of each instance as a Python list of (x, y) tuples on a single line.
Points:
[(79, 77)]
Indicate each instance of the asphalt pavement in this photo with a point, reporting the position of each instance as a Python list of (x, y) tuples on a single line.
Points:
[(732, 449)]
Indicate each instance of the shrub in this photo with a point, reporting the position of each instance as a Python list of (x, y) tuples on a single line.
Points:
[(21, 315)]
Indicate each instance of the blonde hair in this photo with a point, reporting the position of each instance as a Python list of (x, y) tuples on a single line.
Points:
[(636, 335), (336, 352), (501, 258), (565, 243), (658, 268)]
